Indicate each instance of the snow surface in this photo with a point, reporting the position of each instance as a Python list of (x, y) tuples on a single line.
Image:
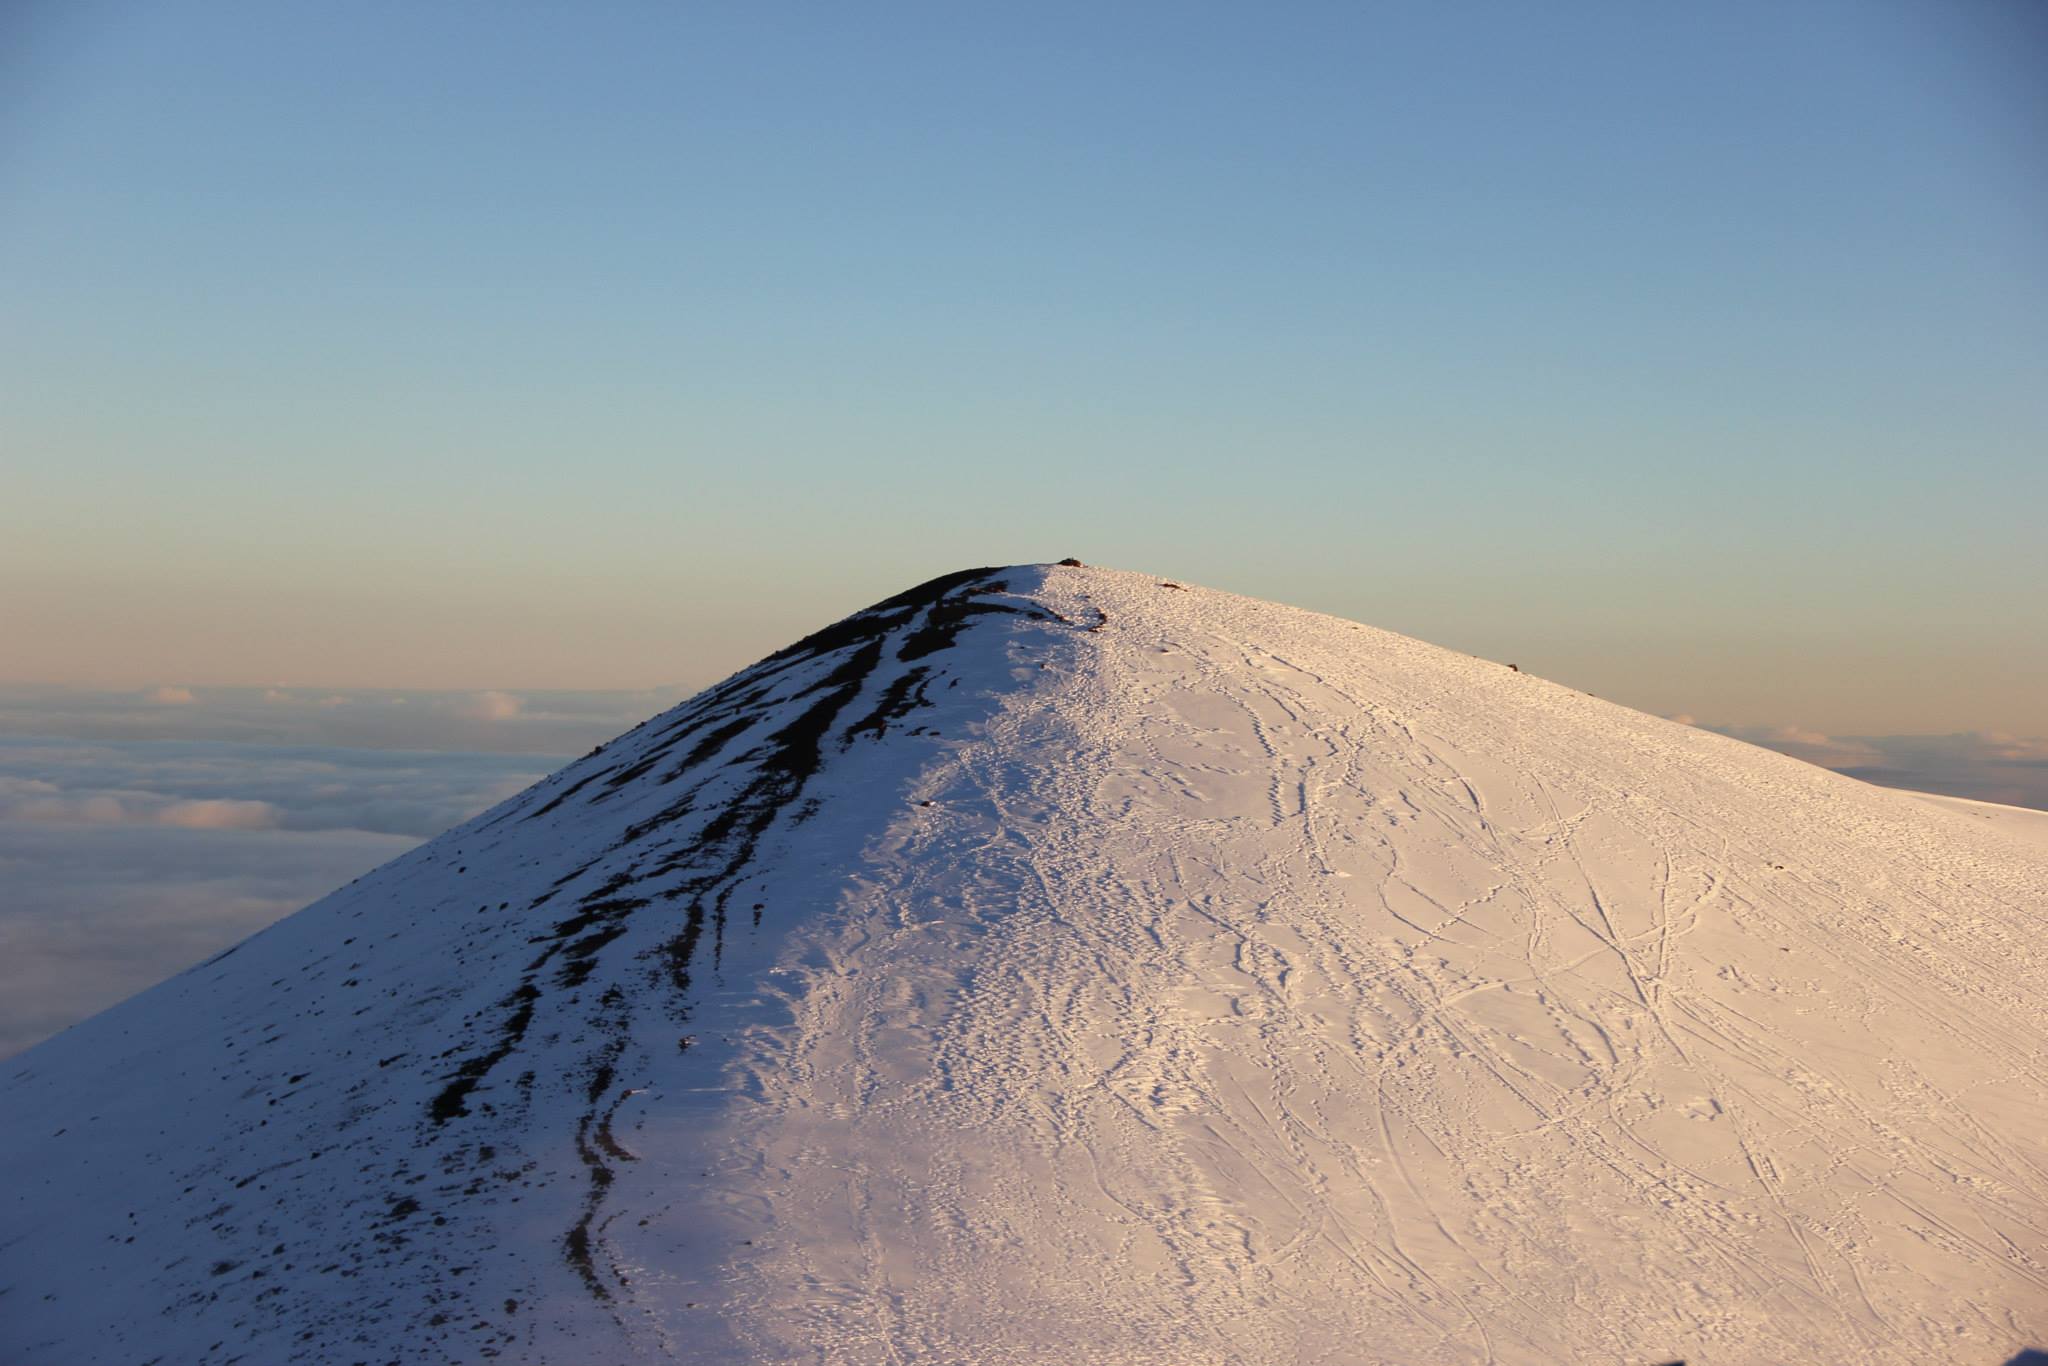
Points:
[(2021, 822), (1058, 965)]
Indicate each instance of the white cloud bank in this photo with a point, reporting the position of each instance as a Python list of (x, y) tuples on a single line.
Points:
[(94, 914), (136, 808), (1987, 766), (122, 862), (490, 721), (492, 706)]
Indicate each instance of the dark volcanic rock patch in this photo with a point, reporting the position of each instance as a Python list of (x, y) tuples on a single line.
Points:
[(740, 758)]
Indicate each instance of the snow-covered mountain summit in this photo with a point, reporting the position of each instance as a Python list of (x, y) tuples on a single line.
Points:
[(1053, 964)]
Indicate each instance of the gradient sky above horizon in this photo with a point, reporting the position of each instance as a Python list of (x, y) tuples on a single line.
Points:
[(1693, 355)]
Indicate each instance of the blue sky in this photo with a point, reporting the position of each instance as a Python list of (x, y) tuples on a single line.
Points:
[(1690, 354), (396, 398)]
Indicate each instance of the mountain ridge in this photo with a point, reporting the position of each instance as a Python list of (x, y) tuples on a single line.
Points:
[(1049, 959)]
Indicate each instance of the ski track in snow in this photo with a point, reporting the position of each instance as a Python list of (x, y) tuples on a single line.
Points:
[(1054, 965)]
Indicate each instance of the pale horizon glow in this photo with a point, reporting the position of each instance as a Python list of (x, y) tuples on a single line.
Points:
[(1690, 357)]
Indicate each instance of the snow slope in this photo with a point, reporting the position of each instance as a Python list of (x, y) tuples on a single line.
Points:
[(1053, 965), (2021, 822)]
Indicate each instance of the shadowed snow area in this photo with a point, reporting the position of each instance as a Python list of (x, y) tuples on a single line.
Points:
[(1052, 964)]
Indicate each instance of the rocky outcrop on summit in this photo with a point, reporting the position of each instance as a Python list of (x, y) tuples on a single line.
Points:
[(1051, 964)]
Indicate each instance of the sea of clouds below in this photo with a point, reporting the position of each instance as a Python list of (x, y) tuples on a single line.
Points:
[(143, 832)]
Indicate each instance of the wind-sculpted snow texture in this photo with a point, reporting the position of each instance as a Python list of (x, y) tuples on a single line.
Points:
[(1052, 965)]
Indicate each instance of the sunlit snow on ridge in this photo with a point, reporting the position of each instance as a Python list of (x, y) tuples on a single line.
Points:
[(1062, 964)]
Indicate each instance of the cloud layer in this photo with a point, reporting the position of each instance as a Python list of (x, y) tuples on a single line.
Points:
[(142, 832), (91, 915), (122, 862), (1984, 766), (487, 722)]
